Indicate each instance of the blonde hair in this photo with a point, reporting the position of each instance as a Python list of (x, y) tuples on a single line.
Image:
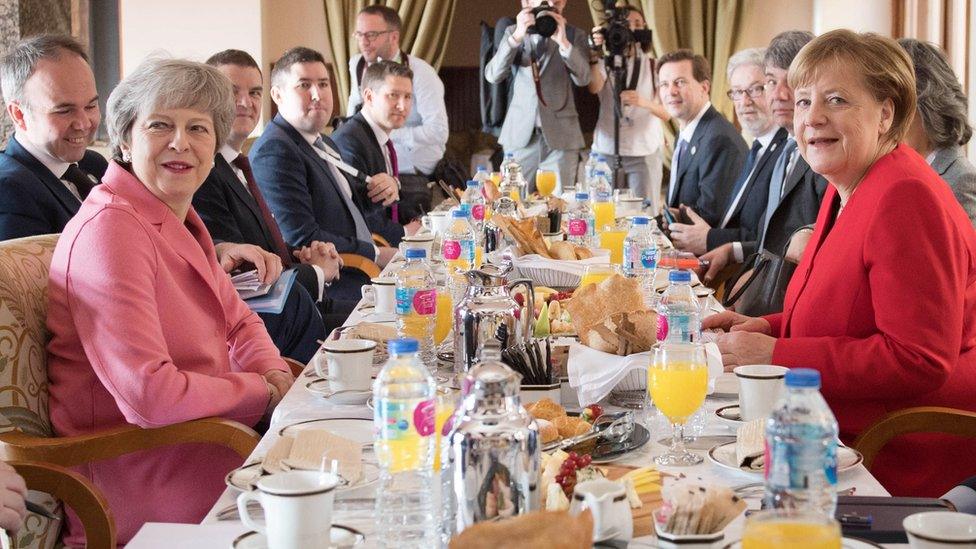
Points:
[(887, 71)]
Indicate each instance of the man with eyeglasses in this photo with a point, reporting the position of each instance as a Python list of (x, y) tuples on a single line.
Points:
[(794, 192), (421, 142), (709, 152), (744, 211)]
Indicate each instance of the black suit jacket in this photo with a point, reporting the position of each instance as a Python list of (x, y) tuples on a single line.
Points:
[(745, 223), (232, 215), (301, 192), (33, 200), (712, 162), (358, 146), (803, 193)]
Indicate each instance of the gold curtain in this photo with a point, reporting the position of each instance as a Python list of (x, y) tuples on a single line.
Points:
[(425, 32), (707, 27)]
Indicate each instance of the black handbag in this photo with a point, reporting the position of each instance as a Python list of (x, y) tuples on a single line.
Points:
[(764, 292)]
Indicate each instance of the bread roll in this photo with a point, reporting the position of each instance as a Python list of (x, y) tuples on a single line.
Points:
[(562, 250), (545, 409), (571, 426), (547, 431), (582, 253)]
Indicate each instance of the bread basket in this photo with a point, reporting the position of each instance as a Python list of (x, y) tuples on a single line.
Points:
[(557, 273)]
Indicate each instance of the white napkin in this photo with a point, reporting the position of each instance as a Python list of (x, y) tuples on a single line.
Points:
[(594, 373)]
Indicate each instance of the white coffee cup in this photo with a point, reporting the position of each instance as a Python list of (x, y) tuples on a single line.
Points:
[(381, 294), (760, 387), (423, 241), (436, 222), (349, 363), (297, 508), (940, 530), (607, 500)]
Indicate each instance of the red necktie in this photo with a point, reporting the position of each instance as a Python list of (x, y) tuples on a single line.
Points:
[(277, 241), (395, 172)]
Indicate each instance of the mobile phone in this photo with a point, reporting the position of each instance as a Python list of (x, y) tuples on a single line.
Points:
[(667, 215)]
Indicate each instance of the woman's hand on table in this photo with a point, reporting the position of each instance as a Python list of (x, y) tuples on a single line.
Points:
[(280, 380), (742, 347), (13, 490), (232, 255), (729, 321)]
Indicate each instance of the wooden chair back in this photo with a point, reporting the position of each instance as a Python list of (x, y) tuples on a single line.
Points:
[(922, 419)]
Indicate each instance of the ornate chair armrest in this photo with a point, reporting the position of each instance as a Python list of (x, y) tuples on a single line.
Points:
[(112, 443), (358, 262), (380, 241), (294, 366), (76, 492)]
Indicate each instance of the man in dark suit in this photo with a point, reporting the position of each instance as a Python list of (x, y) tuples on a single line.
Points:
[(302, 176), (364, 139), (795, 191), (231, 204), (742, 216), (709, 152), (47, 170)]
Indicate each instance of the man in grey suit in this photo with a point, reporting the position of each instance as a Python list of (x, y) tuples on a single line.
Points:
[(541, 127)]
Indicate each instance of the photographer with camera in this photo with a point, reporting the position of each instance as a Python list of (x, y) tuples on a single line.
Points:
[(545, 56), (641, 134)]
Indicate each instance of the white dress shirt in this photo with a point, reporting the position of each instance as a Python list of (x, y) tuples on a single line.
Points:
[(382, 137), (764, 141), (55, 165), (641, 133), (421, 142)]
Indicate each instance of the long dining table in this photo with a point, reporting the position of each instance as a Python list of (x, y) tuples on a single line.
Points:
[(354, 508)]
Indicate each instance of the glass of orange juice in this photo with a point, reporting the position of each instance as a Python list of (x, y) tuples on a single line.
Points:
[(545, 182), (677, 381), (604, 213), (794, 529), (446, 403), (613, 239), (443, 316), (598, 272)]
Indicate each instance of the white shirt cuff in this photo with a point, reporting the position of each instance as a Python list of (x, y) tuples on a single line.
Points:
[(737, 252), (512, 42), (564, 52), (376, 252), (320, 276)]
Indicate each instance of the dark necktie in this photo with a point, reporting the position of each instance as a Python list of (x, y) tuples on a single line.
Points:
[(242, 163), (744, 176), (82, 181)]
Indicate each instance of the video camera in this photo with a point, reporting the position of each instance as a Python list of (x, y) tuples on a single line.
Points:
[(617, 36), (545, 24)]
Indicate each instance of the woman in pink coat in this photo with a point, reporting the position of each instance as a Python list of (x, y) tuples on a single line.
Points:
[(147, 328)]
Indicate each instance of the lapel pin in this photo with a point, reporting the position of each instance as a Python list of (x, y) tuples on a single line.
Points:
[(694, 149)]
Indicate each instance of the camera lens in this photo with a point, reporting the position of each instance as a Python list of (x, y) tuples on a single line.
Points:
[(545, 25)]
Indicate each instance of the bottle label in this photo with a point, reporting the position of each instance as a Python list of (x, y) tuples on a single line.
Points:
[(796, 465), (577, 227), (602, 196), (678, 328), (402, 419), (412, 300), (467, 251), (478, 212), (648, 258), (451, 249)]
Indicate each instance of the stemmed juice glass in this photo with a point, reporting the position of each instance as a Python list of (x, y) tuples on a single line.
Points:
[(677, 382), (598, 272), (545, 182)]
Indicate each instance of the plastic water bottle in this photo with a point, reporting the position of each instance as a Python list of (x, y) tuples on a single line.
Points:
[(403, 423), (416, 303), (590, 166), (481, 175), (507, 160), (679, 308), (601, 195), (640, 251), (473, 198), (512, 183), (581, 222), (801, 448), (459, 240)]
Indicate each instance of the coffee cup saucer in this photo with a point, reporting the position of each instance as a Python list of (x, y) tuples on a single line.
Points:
[(373, 316), (322, 387), (341, 536), (731, 415)]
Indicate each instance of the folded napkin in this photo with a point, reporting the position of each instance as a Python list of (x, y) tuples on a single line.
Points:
[(594, 373)]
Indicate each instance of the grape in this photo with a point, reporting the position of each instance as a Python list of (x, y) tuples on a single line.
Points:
[(573, 456)]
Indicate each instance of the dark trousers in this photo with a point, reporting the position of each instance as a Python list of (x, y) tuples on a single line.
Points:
[(297, 329), (335, 312)]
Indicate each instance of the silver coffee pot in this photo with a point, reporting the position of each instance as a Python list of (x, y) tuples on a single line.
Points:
[(487, 306), (494, 235), (493, 449)]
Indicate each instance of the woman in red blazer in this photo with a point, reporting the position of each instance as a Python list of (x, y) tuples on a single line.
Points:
[(146, 327), (883, 302)]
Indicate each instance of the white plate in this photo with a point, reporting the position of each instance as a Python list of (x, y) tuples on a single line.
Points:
[(342, 536), (371, 473), (723, 455), (355, 429), (379, 318), (244, 477), (857, 543), (730, 415), (322, 388)]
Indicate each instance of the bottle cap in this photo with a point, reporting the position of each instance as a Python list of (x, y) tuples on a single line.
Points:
[(415, 253), (599, 173), (640, 220), (582, 196), (594, 154), (481, 168), (403, 345), (679, 275), (473, 184), (803, 377), (459, 213)]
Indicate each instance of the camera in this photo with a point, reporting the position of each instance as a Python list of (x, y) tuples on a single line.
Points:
[(545, 24), (617, 36)]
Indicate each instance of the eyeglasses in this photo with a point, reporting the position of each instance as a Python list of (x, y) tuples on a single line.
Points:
[(752, 91), (369, 36)]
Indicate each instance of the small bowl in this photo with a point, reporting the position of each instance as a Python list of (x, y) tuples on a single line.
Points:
[(940, 529), (698, 541)]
